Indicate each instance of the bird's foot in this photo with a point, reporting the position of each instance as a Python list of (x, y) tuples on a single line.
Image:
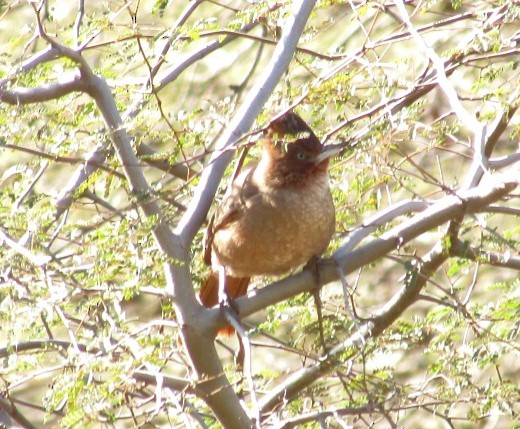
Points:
[(314, 266)]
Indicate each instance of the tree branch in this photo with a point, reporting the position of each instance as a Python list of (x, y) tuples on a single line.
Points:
[(306, 376), (451, 207), (242, 121), (48, 54), (9, 409), (470, 121), (464, 250), (444, 210), (20, 96)]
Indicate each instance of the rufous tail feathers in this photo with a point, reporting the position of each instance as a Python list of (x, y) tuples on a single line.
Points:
[(234, 286)]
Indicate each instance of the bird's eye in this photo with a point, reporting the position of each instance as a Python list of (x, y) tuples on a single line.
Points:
[(301, 155)]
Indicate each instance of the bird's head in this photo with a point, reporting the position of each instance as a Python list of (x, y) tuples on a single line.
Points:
[(292, 154)]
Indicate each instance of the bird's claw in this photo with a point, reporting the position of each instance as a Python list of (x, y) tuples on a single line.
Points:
[(313, 265)]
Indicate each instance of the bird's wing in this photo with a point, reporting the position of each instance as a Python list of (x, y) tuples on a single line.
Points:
[(241, 190)]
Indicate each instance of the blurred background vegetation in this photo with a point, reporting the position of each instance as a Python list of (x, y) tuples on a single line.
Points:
[(81, 281)]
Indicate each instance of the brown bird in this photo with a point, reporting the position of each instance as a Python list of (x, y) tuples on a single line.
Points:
[(276, 215)]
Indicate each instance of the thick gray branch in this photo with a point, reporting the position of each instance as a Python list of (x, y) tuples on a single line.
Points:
[(306, 376), (48, 54), (243, 120), (191, 316), (444, 210), (451, 207), (51, 91)]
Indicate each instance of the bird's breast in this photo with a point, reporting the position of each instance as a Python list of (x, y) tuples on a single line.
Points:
[(278, 230)]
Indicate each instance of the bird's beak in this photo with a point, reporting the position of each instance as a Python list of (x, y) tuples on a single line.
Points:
[(327, 152)]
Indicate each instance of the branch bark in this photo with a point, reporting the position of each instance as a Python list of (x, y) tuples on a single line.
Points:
[(444, 210), (43, 93), (191, 316), (242, 122)]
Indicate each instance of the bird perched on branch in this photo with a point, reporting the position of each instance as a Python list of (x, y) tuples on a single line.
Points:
[(276, 215)]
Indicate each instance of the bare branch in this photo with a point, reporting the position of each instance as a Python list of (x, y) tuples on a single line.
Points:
[(304, 377), (61, 159), (38, 260), (79, 20), (174, 383), (176, 70), (377, 221), (9, 409), (20, 96), (469, 120), (310, 417), (67, 194), (503, 260), (242, 121), (48, 54), (172, 36), (192, 317), (150, 156), (444, 210), (504, 161)]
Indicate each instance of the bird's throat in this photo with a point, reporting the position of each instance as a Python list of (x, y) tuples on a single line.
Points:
[(270, 174)]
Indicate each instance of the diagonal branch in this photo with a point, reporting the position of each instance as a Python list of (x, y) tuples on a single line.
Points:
[(46, 55), (9, 409), (439, 213), (446, 209), (463, 250), (242, 122), (408, 294), (191, 316), (470, 121), (479, 130), (306, 376)]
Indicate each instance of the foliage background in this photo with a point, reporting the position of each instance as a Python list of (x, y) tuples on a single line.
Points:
[(91, 293)]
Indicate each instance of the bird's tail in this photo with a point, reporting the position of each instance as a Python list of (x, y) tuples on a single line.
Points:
[(234, 286)]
